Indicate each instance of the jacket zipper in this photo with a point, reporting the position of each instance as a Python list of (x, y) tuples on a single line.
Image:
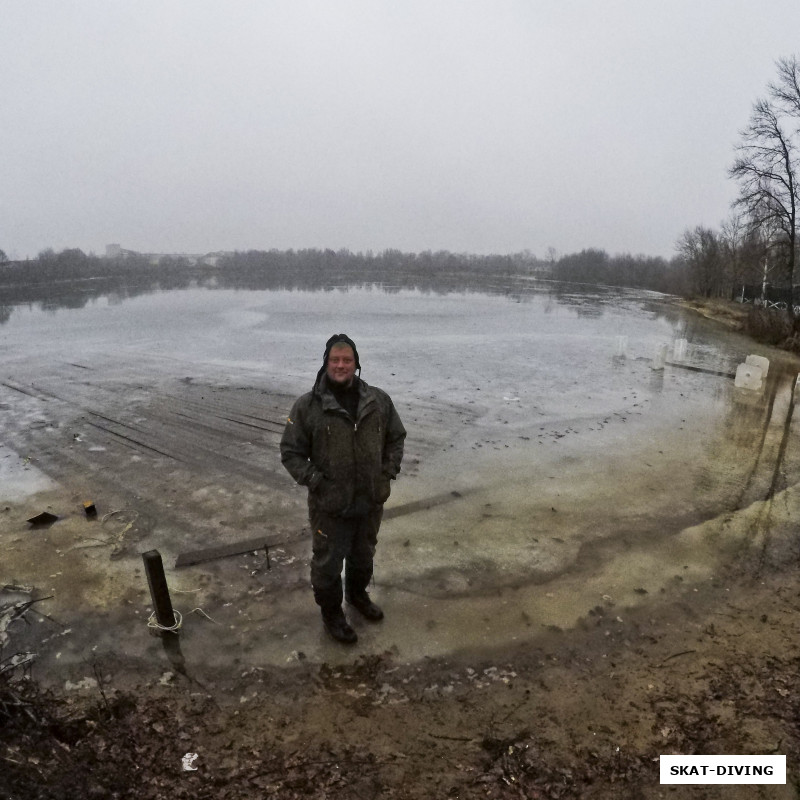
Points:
[(355, 430)]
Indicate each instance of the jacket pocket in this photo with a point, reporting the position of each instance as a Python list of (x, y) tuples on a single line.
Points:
[(329, 497), (320, 544), (382, 488)]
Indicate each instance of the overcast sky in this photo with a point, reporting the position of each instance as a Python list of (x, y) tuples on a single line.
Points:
[(467, 125)]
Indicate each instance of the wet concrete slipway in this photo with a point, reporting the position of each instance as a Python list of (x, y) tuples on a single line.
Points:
[(549, 469)]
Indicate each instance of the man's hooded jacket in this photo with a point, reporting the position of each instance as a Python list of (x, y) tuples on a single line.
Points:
[(346, 463)]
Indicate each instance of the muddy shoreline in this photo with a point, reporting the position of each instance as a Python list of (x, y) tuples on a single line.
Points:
[(725, 312), (584, 714), (662, 623)]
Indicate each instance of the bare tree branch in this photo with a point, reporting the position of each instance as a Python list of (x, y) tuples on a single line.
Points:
[(786, 90), (767, 167)]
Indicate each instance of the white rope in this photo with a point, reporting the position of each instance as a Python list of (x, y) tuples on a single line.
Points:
[(153, 623), (205, 615)]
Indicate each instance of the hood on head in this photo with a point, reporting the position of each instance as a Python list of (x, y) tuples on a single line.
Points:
[(337, 338)]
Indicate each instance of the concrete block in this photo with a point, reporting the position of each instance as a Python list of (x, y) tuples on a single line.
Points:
[(749, 376), (660, 356), (759, 361)]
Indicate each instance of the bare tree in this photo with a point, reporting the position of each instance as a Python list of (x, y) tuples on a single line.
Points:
[(744, 251), (786, 90), (701, 252), (767, 171)]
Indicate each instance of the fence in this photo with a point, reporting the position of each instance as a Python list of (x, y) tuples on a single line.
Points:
[(777, 297)]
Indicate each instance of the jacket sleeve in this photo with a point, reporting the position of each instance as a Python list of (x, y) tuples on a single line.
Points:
[(393, 445), (296, 447)]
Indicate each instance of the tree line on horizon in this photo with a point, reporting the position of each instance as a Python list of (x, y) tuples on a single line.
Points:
[(314, 268)]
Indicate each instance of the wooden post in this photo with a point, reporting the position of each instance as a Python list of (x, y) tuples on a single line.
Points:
[(159, 593)]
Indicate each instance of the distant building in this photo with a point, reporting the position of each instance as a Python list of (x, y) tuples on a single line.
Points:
[(116, 251), (212, 259), (191, 259)]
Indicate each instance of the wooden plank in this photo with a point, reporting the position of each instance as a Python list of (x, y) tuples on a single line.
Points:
[(421, 505), (222, 551), (262, 542), (701, 369)]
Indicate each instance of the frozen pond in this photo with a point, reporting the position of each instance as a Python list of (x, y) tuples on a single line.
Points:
[(549, 468), (534, 356), (433, 337)]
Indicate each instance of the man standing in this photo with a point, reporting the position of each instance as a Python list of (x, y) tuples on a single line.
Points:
[(344, 440)]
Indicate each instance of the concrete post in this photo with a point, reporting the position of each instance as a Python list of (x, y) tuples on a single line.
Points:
[(660, 357)]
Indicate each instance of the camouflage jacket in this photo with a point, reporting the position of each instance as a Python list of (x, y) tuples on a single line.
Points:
[(347, 464)]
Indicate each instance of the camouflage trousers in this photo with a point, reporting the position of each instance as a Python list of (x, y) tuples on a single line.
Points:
[(339, 542)]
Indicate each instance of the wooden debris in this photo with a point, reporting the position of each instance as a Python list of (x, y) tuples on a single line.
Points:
[(223, 551), (45, 518)]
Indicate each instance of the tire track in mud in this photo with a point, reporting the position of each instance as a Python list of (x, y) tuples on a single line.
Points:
[(239, 419), (205, 429), (225, 429), (179, 461), (165, 430), (149, 506), (206, 447), (207, 425), (430, 424), (23, 391), (128, 441)]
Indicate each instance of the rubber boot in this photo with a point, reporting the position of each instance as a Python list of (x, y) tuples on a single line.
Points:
[(337, 626), (362, 603)]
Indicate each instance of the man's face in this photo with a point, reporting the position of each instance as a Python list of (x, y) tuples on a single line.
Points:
[(341, 365)]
